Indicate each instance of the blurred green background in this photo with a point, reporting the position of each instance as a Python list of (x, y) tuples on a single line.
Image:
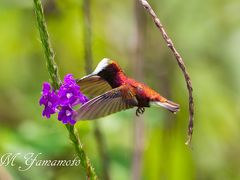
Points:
[(207, 35)]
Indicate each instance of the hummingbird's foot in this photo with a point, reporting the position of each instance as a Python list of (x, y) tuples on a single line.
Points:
[(140, 110)]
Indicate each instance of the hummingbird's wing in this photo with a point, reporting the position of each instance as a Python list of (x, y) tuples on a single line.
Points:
[(93, 86), (113, 101)]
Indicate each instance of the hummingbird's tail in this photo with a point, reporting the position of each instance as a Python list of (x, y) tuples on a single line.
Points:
[(169, 105)]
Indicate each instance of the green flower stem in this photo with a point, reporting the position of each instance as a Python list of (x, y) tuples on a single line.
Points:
[(85, 162), (51, 64), (55, 80)]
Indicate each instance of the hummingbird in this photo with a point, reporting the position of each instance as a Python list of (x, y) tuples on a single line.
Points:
[(112, 91)]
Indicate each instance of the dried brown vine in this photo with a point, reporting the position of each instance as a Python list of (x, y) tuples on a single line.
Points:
[(180, 62)]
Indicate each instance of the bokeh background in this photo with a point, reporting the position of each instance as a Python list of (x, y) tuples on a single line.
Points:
[(207, 35)]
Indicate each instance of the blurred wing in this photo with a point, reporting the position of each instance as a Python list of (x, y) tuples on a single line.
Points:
[(93, 86), (113, 101)]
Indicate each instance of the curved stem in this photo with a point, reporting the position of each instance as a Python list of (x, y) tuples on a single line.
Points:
[(180, 62), (55, 80)]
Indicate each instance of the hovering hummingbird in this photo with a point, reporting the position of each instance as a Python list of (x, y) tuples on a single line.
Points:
[(112, 91)]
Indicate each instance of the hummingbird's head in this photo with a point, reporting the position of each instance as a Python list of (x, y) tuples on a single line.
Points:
[(107, 67), (109, 70)]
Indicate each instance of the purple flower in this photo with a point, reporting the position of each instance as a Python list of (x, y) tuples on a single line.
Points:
[(65, 115), (69, 92), (49, 99), (68, 79), (62, 100)]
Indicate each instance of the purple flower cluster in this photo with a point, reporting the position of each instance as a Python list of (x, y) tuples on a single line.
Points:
[(62, 100)]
